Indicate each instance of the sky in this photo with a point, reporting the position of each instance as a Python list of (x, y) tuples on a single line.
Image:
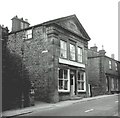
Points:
[(98, 17)]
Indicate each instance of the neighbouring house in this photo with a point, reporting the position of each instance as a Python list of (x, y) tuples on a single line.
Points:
[(103, 72), (54, 54), (12, 84)]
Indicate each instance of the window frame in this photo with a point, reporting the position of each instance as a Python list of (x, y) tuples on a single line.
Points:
[(84, 77), (110, 64), (80, 55), (72, 52), (65, 50), (116, 67), (27, 34), (68, 79)]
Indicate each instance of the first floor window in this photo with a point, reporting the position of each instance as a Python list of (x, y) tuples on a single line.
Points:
[(80, 54), (116, 66), (63, 80), (72, 52), (63, 49), (110, 64), (81, 83)]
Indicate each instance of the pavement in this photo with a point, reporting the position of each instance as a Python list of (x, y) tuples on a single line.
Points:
[(42, 105)]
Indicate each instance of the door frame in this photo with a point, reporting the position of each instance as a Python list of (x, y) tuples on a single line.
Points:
[(73, 82)]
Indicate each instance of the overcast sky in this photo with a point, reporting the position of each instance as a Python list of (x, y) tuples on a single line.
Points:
[(98, 17)]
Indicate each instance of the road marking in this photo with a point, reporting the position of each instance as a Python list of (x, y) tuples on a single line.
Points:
[(117, 101), (89, 110)]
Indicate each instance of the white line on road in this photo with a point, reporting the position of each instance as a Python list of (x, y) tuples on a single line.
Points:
[(117, 101), (89, 110)]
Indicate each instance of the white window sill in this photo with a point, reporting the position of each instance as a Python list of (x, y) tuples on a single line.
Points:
[(64, 91), (81, 90), (77, 64)]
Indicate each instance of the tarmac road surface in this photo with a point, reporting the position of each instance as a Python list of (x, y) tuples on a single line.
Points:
[(106, 106)]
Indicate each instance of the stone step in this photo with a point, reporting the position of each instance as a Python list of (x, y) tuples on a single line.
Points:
[(75, 98)]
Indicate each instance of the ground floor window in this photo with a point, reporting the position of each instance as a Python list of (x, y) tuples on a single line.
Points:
[(81, 83), (63, 80)]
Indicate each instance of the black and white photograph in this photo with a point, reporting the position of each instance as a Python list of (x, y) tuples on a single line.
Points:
[(60, 58)]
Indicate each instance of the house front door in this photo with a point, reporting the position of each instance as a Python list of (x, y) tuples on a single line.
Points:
[(72, 82)]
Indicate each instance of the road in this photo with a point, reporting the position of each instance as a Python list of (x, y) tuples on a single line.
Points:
[(107, 106)]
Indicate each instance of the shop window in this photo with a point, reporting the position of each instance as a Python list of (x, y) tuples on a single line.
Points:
[(63, 49), (80, 54), (63, 80), (72, 52), (81, 83)]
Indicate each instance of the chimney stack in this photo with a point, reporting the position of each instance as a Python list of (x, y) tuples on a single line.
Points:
[(112, 56), (102, 52), (94, 48), (19, 24)]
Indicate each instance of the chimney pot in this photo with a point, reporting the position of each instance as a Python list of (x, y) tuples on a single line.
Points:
[(94, 48), (26, 20), (112, 56)]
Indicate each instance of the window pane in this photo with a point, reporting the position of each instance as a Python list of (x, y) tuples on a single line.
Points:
[(82, 76), (80, 85), (79, 54), (63, 53), (60, 84), (110, 64), (65, 74), (29, 36), (61, 73), (72, 52), (63, 49), (79, 58), (72, 48), (65, 84)]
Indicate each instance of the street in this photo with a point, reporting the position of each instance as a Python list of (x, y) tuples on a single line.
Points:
[(106, 106)]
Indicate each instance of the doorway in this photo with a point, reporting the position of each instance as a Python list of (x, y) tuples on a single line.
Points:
[(72, 82)]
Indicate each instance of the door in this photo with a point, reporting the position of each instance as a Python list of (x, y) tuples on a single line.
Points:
[(72, 83)]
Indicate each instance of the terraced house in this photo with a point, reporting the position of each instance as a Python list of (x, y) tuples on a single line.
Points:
[(103, 72), (54, 54)]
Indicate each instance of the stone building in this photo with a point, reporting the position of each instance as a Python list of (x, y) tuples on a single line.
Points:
[(103, 72), (55, 55), (12, 85)]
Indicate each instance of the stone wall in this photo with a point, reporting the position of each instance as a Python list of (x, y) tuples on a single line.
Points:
[(37, 58)]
